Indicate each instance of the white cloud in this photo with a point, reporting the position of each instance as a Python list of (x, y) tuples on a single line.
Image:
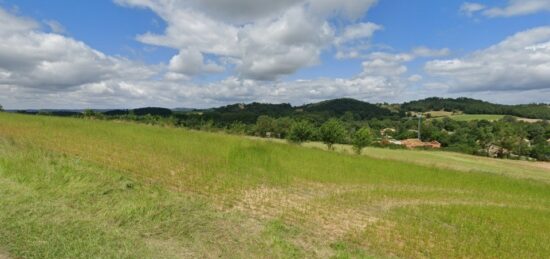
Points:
[(281, 47), (512, 8), (385, 64), (191, 62), (357, 32), (55, 26), (12, 24), (39, 69), (427, 52), (520, 62), (265, 39), (351, 9), (52, 62), (415, 78), (470, 9), (520, 7)]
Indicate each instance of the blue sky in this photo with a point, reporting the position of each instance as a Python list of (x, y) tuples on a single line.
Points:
[(189, 53)]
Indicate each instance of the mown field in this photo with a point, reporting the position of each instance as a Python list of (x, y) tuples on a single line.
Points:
[(471, 117), (72, 188)]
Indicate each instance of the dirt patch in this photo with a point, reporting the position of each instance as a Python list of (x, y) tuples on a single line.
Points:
[(298, 205), (529, 120), (316, 206), (543, 165)]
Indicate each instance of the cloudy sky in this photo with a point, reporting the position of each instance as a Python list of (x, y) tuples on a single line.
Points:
[(204, 53)]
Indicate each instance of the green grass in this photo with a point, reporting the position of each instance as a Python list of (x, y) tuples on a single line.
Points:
[(471, 117), (73, 188), (539, 171)]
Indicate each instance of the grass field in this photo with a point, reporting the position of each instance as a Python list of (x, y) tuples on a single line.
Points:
[(539, 171), (488, 117), (471, 117), (73, 188)]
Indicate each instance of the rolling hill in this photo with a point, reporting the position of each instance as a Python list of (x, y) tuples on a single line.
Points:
[(473, 106)]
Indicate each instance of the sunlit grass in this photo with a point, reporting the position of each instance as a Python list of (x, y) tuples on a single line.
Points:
[(143, 191), (471, 117)]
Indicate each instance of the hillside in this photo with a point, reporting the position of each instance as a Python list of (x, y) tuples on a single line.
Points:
[(339, 107), (111, 189), (473, 106)]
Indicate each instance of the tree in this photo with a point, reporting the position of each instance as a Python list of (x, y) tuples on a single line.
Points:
[(282, 127), (237, 127), (300, 131), (1, 108), (541, 152), (89, 113), (264, 124), (332, 132), (361, 139)]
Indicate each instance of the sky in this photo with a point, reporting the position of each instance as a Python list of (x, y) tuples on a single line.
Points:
[(66, 54)]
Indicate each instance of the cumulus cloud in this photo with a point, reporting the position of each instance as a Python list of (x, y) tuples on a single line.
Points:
[(191, 62), (34, 59), (265, 39), (41, 69), (520, 62), (12, 24), (512, 8)]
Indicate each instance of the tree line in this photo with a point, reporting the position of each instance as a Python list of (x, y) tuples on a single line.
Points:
[(348, 121), (473, 106), (505, 138)]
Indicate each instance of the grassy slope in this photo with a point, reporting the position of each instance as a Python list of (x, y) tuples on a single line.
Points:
[(470, 117), (539, 171), (489, 117), (73, 188)]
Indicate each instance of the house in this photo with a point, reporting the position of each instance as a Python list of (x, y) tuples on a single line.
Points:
[(395, 142), (495, 151), (416, 143), (386, 131)]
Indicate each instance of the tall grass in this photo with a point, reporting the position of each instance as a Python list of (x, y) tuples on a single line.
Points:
[(137, 190)]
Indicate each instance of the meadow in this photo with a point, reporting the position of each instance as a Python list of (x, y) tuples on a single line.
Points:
[(539, 171), (471, 117), (74, 188)]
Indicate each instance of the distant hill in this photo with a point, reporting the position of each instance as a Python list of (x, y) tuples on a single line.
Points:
[(360, 110), (275, 110), (473, 106), (339, 107), (141, 112)]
